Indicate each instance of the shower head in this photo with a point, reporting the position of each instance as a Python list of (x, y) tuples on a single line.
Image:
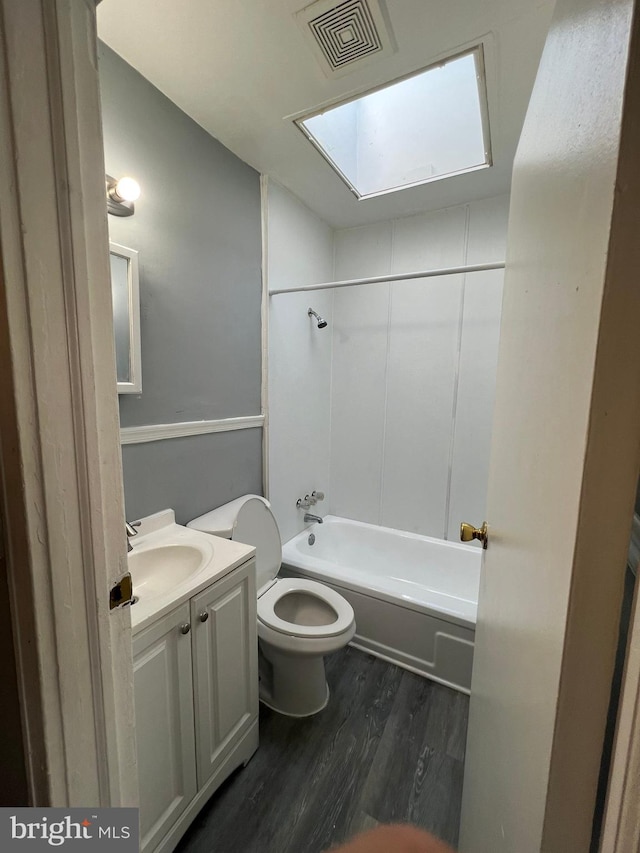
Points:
[(321, 323)]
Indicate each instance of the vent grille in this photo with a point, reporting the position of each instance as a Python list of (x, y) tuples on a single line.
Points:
[(345, 33)]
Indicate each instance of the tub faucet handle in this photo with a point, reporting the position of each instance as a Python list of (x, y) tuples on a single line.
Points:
[(318, 496), (304, 503)]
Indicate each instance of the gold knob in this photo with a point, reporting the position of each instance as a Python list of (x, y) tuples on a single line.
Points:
[(468, 532)]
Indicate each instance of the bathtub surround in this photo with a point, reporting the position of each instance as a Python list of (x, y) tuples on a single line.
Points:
[(415, 363), (402, 392), (299, 250), (197, 231), (388, 411)]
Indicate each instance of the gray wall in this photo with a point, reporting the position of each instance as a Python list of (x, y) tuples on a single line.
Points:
[(198, 233), (192, 474)]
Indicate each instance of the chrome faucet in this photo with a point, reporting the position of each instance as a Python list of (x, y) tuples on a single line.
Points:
[(308, 518), (310, 500), (131, 531)]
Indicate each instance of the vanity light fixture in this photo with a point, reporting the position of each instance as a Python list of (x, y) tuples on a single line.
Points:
[(121, 195)]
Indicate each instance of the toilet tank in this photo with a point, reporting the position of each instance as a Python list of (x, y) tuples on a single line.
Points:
[(220, 521), (254, 526)]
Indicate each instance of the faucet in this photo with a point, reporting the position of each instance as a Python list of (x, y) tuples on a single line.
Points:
[(131, 531), (310, 500), (308, 518)]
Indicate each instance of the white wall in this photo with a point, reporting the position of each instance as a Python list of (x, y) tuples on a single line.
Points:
[(389, 409), (413, 368), (299, 251)]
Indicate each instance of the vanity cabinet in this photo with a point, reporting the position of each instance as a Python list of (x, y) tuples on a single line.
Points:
[(165, 734), (225, 674), (196, 701)]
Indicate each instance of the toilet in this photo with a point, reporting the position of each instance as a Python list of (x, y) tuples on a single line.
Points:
[(299, 621)]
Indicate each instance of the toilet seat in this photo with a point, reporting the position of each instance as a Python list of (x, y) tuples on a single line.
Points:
[(283, 586)]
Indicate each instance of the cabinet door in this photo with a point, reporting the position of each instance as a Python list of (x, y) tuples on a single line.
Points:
[(225, 666), (163, 686)]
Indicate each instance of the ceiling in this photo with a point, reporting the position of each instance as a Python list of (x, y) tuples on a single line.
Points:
[(240, 67)]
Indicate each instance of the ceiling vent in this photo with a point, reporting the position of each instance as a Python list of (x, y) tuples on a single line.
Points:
[(345, 35)]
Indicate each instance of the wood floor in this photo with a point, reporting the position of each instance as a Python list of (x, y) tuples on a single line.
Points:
[(389, 747)]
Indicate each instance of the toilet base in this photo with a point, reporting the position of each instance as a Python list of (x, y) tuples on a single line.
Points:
[(292, 684), (266, 701)]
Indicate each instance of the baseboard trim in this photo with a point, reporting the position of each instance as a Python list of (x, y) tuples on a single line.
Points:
[(408, 662), (161, 432)]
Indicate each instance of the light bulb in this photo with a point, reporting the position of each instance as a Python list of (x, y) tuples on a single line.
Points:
[(127, 189)]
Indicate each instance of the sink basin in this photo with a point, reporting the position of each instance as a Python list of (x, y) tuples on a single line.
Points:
[(170, 563), (157, 570)]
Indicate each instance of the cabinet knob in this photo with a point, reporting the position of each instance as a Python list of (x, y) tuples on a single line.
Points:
[(185, 628), (204, 616)]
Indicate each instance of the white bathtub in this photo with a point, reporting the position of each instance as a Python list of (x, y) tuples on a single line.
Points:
[(415, 598)]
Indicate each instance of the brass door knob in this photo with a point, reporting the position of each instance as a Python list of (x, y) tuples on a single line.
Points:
[(468, 532)]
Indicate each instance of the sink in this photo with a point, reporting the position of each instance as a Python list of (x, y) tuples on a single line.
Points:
[(157, 570), (170, 563)]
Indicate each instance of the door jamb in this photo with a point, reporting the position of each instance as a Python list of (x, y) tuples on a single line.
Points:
[(621, 828), (59, 429)]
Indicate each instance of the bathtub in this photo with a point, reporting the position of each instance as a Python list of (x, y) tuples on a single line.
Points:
[(415, 598)]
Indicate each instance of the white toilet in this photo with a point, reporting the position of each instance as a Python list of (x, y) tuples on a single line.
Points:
[(299, 621)]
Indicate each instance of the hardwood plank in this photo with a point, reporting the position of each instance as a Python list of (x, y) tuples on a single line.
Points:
[(413, 778), (336, 782), (361, 823), (385, 748), (446, 727)]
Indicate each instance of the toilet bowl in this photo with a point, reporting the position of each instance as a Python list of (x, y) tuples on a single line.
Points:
[(299, 621)]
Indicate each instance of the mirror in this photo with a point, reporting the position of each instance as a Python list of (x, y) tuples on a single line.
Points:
[(126, 317)]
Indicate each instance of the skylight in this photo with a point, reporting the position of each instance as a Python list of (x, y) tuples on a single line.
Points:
[(423, 128)]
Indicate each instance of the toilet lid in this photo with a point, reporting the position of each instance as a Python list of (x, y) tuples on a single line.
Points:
[(255, 525), (269, 600)]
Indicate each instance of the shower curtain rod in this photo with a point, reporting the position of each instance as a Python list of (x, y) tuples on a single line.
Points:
[(380, 279)]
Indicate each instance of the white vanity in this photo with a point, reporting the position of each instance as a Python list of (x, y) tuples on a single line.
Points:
[(195, 670)]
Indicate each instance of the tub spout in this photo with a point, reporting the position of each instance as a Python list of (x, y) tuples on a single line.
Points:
[(309, 518)]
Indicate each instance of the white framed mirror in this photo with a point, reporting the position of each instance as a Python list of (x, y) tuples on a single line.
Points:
[(125, 293)]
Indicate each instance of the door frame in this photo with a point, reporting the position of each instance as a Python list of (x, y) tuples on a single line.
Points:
[(621, 827), (60, 460), (565, 447)]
